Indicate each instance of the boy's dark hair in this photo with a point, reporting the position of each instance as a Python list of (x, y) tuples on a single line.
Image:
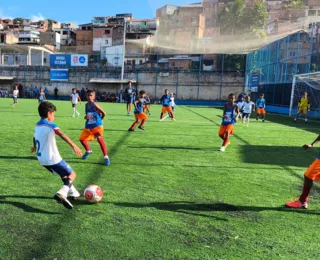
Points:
[(262, 94), (142, 92), (46, 107), (231, 95), (89, 91), (166, 90)]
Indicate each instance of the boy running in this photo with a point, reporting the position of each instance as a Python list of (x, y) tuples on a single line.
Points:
[(261, 107), (229, 117), (247, 109), (139, 115), (44, 144), (74, 98), (312, 174), (303, 107), (94, 127), (240, 104), (166, 108), (42, 96), (15, 95)]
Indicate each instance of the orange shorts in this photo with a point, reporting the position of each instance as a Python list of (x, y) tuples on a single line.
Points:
[(226, 128), (261, 111), (313, 172), (166, 109), (90, 134), (140, 117), (145, 106)]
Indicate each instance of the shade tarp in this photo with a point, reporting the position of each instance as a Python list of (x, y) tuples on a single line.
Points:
[(111, 81), (6, 78)]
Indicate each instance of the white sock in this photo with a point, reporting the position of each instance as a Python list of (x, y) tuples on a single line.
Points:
[(166, 116), (106, 157), (64, 190), (306, 119)]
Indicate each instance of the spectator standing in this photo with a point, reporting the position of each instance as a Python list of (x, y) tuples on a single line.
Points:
[(46, 92), (56, 93), (35, 92), (26, 92), (31, 92)]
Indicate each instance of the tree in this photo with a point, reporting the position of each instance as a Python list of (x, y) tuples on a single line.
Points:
[(294, 4), (237, 19)]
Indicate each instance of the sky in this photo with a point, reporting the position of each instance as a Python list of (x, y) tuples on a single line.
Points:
[(81, 11)]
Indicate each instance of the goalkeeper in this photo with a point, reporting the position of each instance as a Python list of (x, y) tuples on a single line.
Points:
[(303, 107)]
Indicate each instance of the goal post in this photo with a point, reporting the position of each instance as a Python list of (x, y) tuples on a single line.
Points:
[(310, 83)]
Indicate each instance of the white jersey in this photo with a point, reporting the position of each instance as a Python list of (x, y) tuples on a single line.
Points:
[(74, 98), (248, 107), (47, 151), (15, 93), (240, 105), (171, 103)]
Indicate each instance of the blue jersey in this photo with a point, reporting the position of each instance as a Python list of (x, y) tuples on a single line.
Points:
[(41, 97), (261, 103), (165, 100), (139, 106), (147, 99), (94, 117), (229, 115), (129, 92)]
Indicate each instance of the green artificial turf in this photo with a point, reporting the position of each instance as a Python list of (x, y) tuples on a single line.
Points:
[(168, 194)]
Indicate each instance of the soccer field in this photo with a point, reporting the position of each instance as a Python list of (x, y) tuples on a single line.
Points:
[(168, 194)]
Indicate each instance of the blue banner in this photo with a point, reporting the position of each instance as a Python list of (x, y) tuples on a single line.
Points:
[(60, 60), (59, 74), (254, 83)]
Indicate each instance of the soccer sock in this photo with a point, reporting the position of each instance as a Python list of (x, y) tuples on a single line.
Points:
[(74, 110), (143, 122), (225, 141), (64, 190), (148, 110), (305, 192), (133, 126), (161, 116), (103, 146), (85, 145), (171, 115)]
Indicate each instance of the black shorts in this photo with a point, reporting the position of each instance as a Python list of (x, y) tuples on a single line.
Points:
[(246, 115), (74, 105)]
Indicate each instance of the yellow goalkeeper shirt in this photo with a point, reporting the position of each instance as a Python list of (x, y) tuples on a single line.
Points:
[(304, 102)]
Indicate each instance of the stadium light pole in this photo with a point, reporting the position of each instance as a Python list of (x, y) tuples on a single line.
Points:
[(124, 46)]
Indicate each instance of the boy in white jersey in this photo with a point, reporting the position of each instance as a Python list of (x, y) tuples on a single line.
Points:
[(44, 144), (15, 95), (240, 104), (247, 109), (74, 98)]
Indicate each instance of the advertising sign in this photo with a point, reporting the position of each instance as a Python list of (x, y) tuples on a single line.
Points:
[(68, 60), (254, 83), (59, 74), (79, 60)]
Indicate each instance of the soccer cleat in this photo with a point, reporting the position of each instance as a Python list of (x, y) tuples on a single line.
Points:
[(257, 119), (263, 120), (128, 114), (63, 200), (141, 127), (149, 114), (131, 130), (222, 149), (78, 114), (296, 204), (74, 195), (85, 156), (107, 161), (73, 115)]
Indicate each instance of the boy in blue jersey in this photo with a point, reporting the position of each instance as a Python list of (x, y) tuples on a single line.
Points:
[(129, 94), (311, 174), (44, 144), (146, 104), (261, 107), (229, 117), (166, 108), (42, 96), (139, 115), (94, 127)]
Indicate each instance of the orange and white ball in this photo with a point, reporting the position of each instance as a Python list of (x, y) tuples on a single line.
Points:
[(93, 194)]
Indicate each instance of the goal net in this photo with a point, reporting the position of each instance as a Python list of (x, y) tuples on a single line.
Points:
[(309, 83)]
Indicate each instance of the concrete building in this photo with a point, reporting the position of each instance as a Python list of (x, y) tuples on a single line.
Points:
[(53, 25), (51, 38), (112, 55), (29, 35), (180, 26), (102, 37), (7, 37), (211, 14), (68, 36)]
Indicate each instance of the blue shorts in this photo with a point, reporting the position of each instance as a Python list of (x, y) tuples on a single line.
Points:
[(61, 168), (129, 100), (15, 98)]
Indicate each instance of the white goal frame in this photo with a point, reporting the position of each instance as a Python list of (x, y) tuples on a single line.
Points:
[(293, 86)]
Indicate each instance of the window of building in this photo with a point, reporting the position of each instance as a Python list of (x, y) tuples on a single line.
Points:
[(106, 41), (173, 64), (65, 33), (194, 20), (141, 62), (128, 62), (44, 60), (107, 31)]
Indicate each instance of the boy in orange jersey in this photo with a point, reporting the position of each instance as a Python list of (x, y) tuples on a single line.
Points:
[(146, 104), (139, 115), (229, 117), (312, 174)]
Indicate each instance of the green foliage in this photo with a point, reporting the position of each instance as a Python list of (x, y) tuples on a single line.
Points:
[(237, 19), (18, 20), (234, 61), (168, 194), (295, 4)]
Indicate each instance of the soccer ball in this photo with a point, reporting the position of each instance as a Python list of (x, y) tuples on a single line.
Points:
[(93, 194)]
